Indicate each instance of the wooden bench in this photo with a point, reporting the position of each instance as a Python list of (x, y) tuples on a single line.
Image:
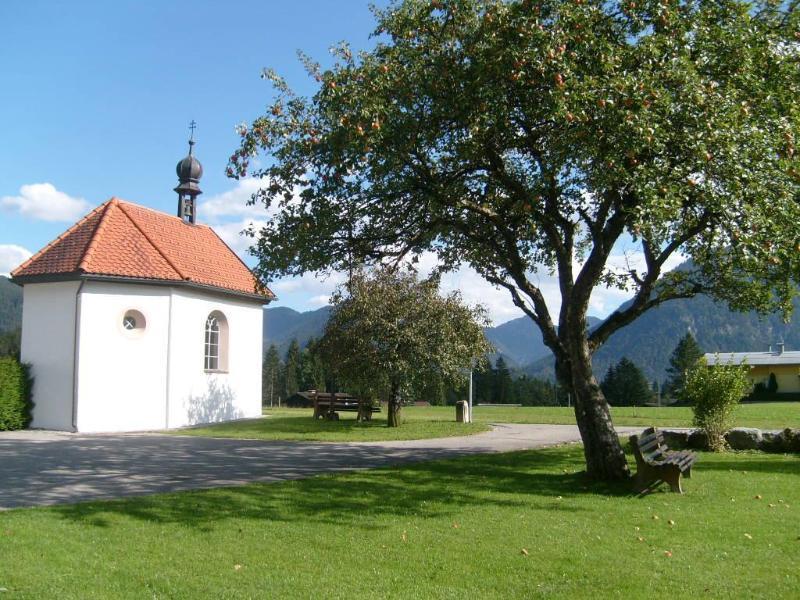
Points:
[(656, 464), (327, 408)]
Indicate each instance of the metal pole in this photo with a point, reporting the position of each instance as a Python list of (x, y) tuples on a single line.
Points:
[(470, 395)]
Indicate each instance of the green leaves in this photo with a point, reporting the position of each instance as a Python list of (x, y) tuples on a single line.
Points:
[(388, 329), (714, 393)]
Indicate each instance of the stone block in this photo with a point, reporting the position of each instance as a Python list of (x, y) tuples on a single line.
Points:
[(743, 438), (675, 440), (698, 440)]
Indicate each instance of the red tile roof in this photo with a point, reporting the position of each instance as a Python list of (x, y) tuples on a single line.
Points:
[(121, 239)]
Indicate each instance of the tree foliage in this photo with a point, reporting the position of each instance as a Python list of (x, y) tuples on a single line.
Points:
[(531, 137), (271, 389), (16, 403), (685, 357), (626, 385), (389, 333), (291, 370)]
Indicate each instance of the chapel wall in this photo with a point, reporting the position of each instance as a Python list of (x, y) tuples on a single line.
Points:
[(197, 396), (122, 373), (48, 334)]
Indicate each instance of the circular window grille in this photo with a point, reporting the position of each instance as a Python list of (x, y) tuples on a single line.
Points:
[(133, 322)]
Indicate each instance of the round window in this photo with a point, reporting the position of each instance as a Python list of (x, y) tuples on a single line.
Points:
[(133, 322)]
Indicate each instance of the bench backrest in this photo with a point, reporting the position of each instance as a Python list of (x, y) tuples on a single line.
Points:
[(651, 445)]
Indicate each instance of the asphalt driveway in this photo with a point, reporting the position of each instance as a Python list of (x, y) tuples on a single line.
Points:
[(39, 468)]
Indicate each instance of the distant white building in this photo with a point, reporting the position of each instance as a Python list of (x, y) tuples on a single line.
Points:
[(783, 364), (134, 320)]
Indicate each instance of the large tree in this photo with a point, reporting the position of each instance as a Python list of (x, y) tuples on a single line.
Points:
[(533, 138), (389, 333)]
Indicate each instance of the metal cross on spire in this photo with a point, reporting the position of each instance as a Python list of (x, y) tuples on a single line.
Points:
[(192, 127)]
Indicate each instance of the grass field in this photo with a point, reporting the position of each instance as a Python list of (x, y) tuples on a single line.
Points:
[(298, 424), (519, 525), (438, 421)]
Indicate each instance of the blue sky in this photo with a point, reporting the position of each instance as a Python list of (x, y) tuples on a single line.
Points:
[(97, 97)]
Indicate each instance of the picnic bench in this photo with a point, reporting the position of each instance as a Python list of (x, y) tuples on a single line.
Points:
[(327, 406), (656, 464)]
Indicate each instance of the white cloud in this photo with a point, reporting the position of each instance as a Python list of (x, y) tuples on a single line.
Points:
[(43, 201), (12, 256), (233, 203), (309, 286), (319, 301)]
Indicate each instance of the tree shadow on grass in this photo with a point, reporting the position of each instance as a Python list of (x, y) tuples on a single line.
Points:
[(533, 480)]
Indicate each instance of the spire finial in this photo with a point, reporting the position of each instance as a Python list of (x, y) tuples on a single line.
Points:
[(192, 127)]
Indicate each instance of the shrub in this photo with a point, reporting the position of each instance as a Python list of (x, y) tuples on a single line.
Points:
[(15, 394), (772, 384), (714, 393)]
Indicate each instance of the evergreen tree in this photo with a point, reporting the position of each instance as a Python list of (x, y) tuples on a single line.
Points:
[(684, 357), (772, 384), (291, 370), (483, 384), (312, 372), (502, 382), (626, 385), (271, 377)]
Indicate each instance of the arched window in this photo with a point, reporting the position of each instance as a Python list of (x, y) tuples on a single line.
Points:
[(216, 342)]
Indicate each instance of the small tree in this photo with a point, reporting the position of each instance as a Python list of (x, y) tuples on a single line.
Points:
[(714, 393), (683, 358), (390, 333)]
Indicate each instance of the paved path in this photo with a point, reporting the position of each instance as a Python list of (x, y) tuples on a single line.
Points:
[(39, 468)]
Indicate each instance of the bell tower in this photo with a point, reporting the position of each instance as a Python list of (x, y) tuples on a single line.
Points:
[(189, 172)]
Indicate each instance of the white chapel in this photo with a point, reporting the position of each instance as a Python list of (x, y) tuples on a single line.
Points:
[(134, 319)]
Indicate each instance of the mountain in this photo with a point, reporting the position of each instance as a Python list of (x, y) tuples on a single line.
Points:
[(282, 325), (520, 341), (650, 340), (10, 305)]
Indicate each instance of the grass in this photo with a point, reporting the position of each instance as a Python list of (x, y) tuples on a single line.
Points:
[(298, 424), (438, 421), (518, 525)]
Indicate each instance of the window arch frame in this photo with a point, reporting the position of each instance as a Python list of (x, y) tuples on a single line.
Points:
[(215, 343)]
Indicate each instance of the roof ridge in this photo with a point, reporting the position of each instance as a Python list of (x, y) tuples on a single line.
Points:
[(61, 237), (160, 213), (87, 255), (151, 242)]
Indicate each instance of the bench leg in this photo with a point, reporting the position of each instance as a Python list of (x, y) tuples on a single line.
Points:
[(688, 473), (673, 478)]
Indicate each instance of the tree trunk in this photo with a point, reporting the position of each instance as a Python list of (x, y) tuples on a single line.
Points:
[(393, 417), (605, 459)]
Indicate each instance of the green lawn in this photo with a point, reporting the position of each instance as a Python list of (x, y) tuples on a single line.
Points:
[(517, 525), (298, 424), (439, 421)]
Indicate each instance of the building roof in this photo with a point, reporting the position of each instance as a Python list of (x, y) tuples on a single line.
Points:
[(125, 240), (754, 359)]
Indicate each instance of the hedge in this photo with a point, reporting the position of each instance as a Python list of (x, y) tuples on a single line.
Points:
[(15, 394)]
